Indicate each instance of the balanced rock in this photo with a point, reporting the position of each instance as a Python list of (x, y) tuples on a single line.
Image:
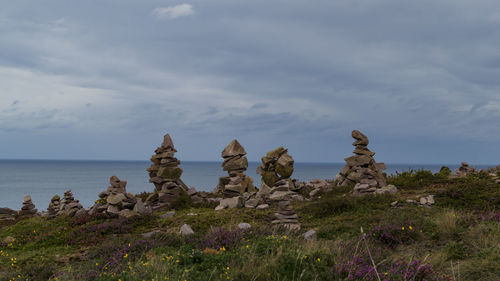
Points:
[(28, 209), (235, 163), (115, 201), (276, 169), (361, 170), (69, 206), (286, 217), (165, 174), (54, 206), (464, 170)]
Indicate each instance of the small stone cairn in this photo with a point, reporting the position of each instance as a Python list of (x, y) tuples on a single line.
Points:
[(28, 209), (464, 170), (69, 206), (165, 174), (286, 217), (276, 170), (235, 163), (362, 171), (115, 201), (54, 206)]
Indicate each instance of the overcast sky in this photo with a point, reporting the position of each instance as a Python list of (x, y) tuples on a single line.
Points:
[(107, 79)]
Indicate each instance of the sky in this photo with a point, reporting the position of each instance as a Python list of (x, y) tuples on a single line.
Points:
[(107, 79)]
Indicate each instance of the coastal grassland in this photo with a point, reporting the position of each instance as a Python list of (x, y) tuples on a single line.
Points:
[(359, 238)]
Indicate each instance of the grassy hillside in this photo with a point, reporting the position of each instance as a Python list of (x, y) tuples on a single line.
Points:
[(359, 238)]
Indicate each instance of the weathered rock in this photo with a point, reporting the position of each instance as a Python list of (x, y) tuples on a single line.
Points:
[(263, 207), (286, 217), (151, 233), (310, 235), (244, 225), (126, 213), (116, 199), (139, 207), (186, 230), (252, 203), (233, 202), (169, 214)]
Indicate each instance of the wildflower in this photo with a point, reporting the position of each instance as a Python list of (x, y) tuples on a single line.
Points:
[(411, 228), (125, 256), (318, 259), (403, 228), (285, 237)]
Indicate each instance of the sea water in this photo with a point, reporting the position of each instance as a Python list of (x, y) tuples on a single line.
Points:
[(42, 179)]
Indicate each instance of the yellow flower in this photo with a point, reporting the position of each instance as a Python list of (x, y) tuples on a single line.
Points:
[(411, 228), (403, 228), (125, 256), (284, 237), (318, 259)]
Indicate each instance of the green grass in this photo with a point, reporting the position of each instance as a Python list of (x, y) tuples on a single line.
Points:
[(457, 238)]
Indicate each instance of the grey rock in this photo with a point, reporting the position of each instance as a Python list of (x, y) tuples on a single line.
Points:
[(169, 214), (263, 207), (186, 230), (139, 207), (252, 203), (115, 199), (244, 225), (150, 234), (310, 235)]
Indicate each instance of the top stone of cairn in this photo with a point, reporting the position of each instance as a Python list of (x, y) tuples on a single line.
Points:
[(233, 149), (361, 139)]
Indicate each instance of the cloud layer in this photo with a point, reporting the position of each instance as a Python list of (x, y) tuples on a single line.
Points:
[(419, 78), (172, 12)]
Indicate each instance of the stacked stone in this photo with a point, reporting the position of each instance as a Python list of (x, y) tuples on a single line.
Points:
[(464, 170), (54, 206), (28, 209), (69, 206), (361, 169), (115, 201), (235, 163), (276, 170), (286, 217), (165, 174)]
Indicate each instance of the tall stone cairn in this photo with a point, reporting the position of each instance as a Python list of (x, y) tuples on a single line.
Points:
[(54, 206), (464, 170), (165, 174), (69, 206), (361, 169), (28, 208), (235, 163), (276, 170)]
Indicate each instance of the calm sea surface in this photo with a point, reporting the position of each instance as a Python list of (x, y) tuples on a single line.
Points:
[(42, 179)]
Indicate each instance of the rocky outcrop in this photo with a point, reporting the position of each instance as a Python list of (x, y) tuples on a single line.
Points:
[(361, 170), (286, 217), (69, 206), (28, 209), (235, 163), (276, 170), (116, 202), (165, 174), (54, 206)]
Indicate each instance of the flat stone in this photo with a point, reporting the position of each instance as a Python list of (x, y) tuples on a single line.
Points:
[(358, 160), (220, 207), (192, 191), (252, 203), (151, 233), (112, 209), (169, 214), (423, 200), (186, 230), (389, 189), (310, 235), (286, 217), (234, 202), (430, 199), (263, 207), (27, 198), (126, 213), (115, 199), (168, 143), (244, 225), (281, 195)]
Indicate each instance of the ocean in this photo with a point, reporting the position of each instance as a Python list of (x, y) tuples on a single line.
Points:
[(42, 179)]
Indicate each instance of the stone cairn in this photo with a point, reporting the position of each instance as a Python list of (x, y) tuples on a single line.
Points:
[(362, 171), (286, 217), (165, 174), (464, 170), (69, 206), (235, 163), (115, 201), (28, 208), (276, 170), (54, 206)]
